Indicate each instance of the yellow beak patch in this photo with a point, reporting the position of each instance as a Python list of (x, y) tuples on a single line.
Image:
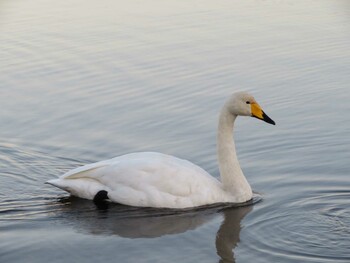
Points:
[(256, 110)]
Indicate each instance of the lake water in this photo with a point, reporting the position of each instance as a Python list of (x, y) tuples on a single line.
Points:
[(83, 81)]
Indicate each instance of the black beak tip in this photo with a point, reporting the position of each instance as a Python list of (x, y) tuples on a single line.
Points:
[(271, 121), (268, 119)]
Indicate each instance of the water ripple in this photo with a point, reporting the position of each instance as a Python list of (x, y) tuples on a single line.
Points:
[(311, 229), (24, 170)]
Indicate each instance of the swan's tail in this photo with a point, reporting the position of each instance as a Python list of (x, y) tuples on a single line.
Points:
[(81, 187), (57, 183)]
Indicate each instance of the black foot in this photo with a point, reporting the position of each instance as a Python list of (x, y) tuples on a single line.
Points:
[(100, 196)]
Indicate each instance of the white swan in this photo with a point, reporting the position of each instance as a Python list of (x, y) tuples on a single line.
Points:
[(149, 179)]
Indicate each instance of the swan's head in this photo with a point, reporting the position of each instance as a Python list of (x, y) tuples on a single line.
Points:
[(244, 104)]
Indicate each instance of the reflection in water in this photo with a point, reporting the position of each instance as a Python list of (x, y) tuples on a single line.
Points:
[(132, 222), (227, 237)]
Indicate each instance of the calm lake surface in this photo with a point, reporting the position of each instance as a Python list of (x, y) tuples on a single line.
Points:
[(83, 81)]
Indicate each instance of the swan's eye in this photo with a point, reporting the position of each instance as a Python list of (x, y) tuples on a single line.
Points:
[(248, 102)]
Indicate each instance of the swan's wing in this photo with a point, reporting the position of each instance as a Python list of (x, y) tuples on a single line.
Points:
[(158, 180)]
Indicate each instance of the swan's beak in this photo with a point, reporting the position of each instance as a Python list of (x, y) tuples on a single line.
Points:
[(257, 112)]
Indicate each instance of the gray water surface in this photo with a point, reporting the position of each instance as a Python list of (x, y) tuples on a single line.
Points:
[(83, 81)]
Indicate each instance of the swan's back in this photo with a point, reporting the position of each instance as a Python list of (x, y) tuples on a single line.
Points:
[(145, 179)]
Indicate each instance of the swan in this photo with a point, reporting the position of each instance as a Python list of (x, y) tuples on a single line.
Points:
[(151, 179)]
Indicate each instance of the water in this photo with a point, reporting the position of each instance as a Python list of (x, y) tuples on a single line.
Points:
[(83, 81)]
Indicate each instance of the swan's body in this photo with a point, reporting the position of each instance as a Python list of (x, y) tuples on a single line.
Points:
[(150, 179), (146, 179)]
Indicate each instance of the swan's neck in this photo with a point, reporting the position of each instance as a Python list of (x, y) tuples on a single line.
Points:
[(232, 177)]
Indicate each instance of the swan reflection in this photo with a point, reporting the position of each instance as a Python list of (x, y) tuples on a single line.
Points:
[(132, 222), (227, 236)]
